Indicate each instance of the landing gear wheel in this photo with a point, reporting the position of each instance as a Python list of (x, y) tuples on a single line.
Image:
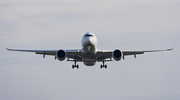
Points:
[(75, 66), (101, 66), (105, 66)]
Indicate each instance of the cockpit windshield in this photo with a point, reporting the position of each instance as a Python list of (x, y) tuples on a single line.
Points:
[(88, 35)]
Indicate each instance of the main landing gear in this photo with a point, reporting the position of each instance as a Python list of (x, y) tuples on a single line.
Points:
[(105, 66), (75, 66)]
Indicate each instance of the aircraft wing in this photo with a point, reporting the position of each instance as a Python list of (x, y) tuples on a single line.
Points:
[(70, 53), (47, 52), (126, 53), (105, 54), (77, 54)]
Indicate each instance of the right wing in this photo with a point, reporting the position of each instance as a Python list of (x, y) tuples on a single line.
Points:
[(46, 52), (73, 54)]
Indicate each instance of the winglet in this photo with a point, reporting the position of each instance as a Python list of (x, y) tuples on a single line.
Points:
[(171, 48), (7, 48)]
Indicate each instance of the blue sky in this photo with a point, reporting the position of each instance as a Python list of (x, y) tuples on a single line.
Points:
[(126, 25)]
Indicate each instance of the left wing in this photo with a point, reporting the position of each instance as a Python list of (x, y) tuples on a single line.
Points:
[(105, 54), (73, 54), (125, 53)]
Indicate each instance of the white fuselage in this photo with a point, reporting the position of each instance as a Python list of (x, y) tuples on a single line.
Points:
[(89, 48)]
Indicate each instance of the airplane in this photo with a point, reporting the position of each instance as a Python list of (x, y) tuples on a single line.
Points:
[(89, 54)]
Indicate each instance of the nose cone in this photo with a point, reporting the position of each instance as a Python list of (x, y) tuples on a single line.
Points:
[(89, 38)]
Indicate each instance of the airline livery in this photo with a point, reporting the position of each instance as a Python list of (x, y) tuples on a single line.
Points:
[(89, 54)]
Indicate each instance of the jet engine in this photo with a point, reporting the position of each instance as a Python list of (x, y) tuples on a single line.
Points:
[(61, 55), (117, 55)]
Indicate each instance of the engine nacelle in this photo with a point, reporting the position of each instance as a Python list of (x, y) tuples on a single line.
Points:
[(117, 55), (61, 55)]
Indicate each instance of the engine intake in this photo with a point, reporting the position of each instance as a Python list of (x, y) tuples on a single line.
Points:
[(61, 55), (117, 55)]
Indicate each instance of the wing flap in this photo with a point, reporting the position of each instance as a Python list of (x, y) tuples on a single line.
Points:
[(125, 53), (46, 53), (104, 54)]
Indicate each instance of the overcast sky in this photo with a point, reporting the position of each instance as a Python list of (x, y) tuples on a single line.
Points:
[(118, 24)]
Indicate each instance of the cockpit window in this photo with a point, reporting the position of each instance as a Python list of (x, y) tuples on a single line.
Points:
[(88, 35)]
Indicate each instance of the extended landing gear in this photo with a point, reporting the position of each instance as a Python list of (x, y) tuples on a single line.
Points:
[(105, 66), (75, 66)]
